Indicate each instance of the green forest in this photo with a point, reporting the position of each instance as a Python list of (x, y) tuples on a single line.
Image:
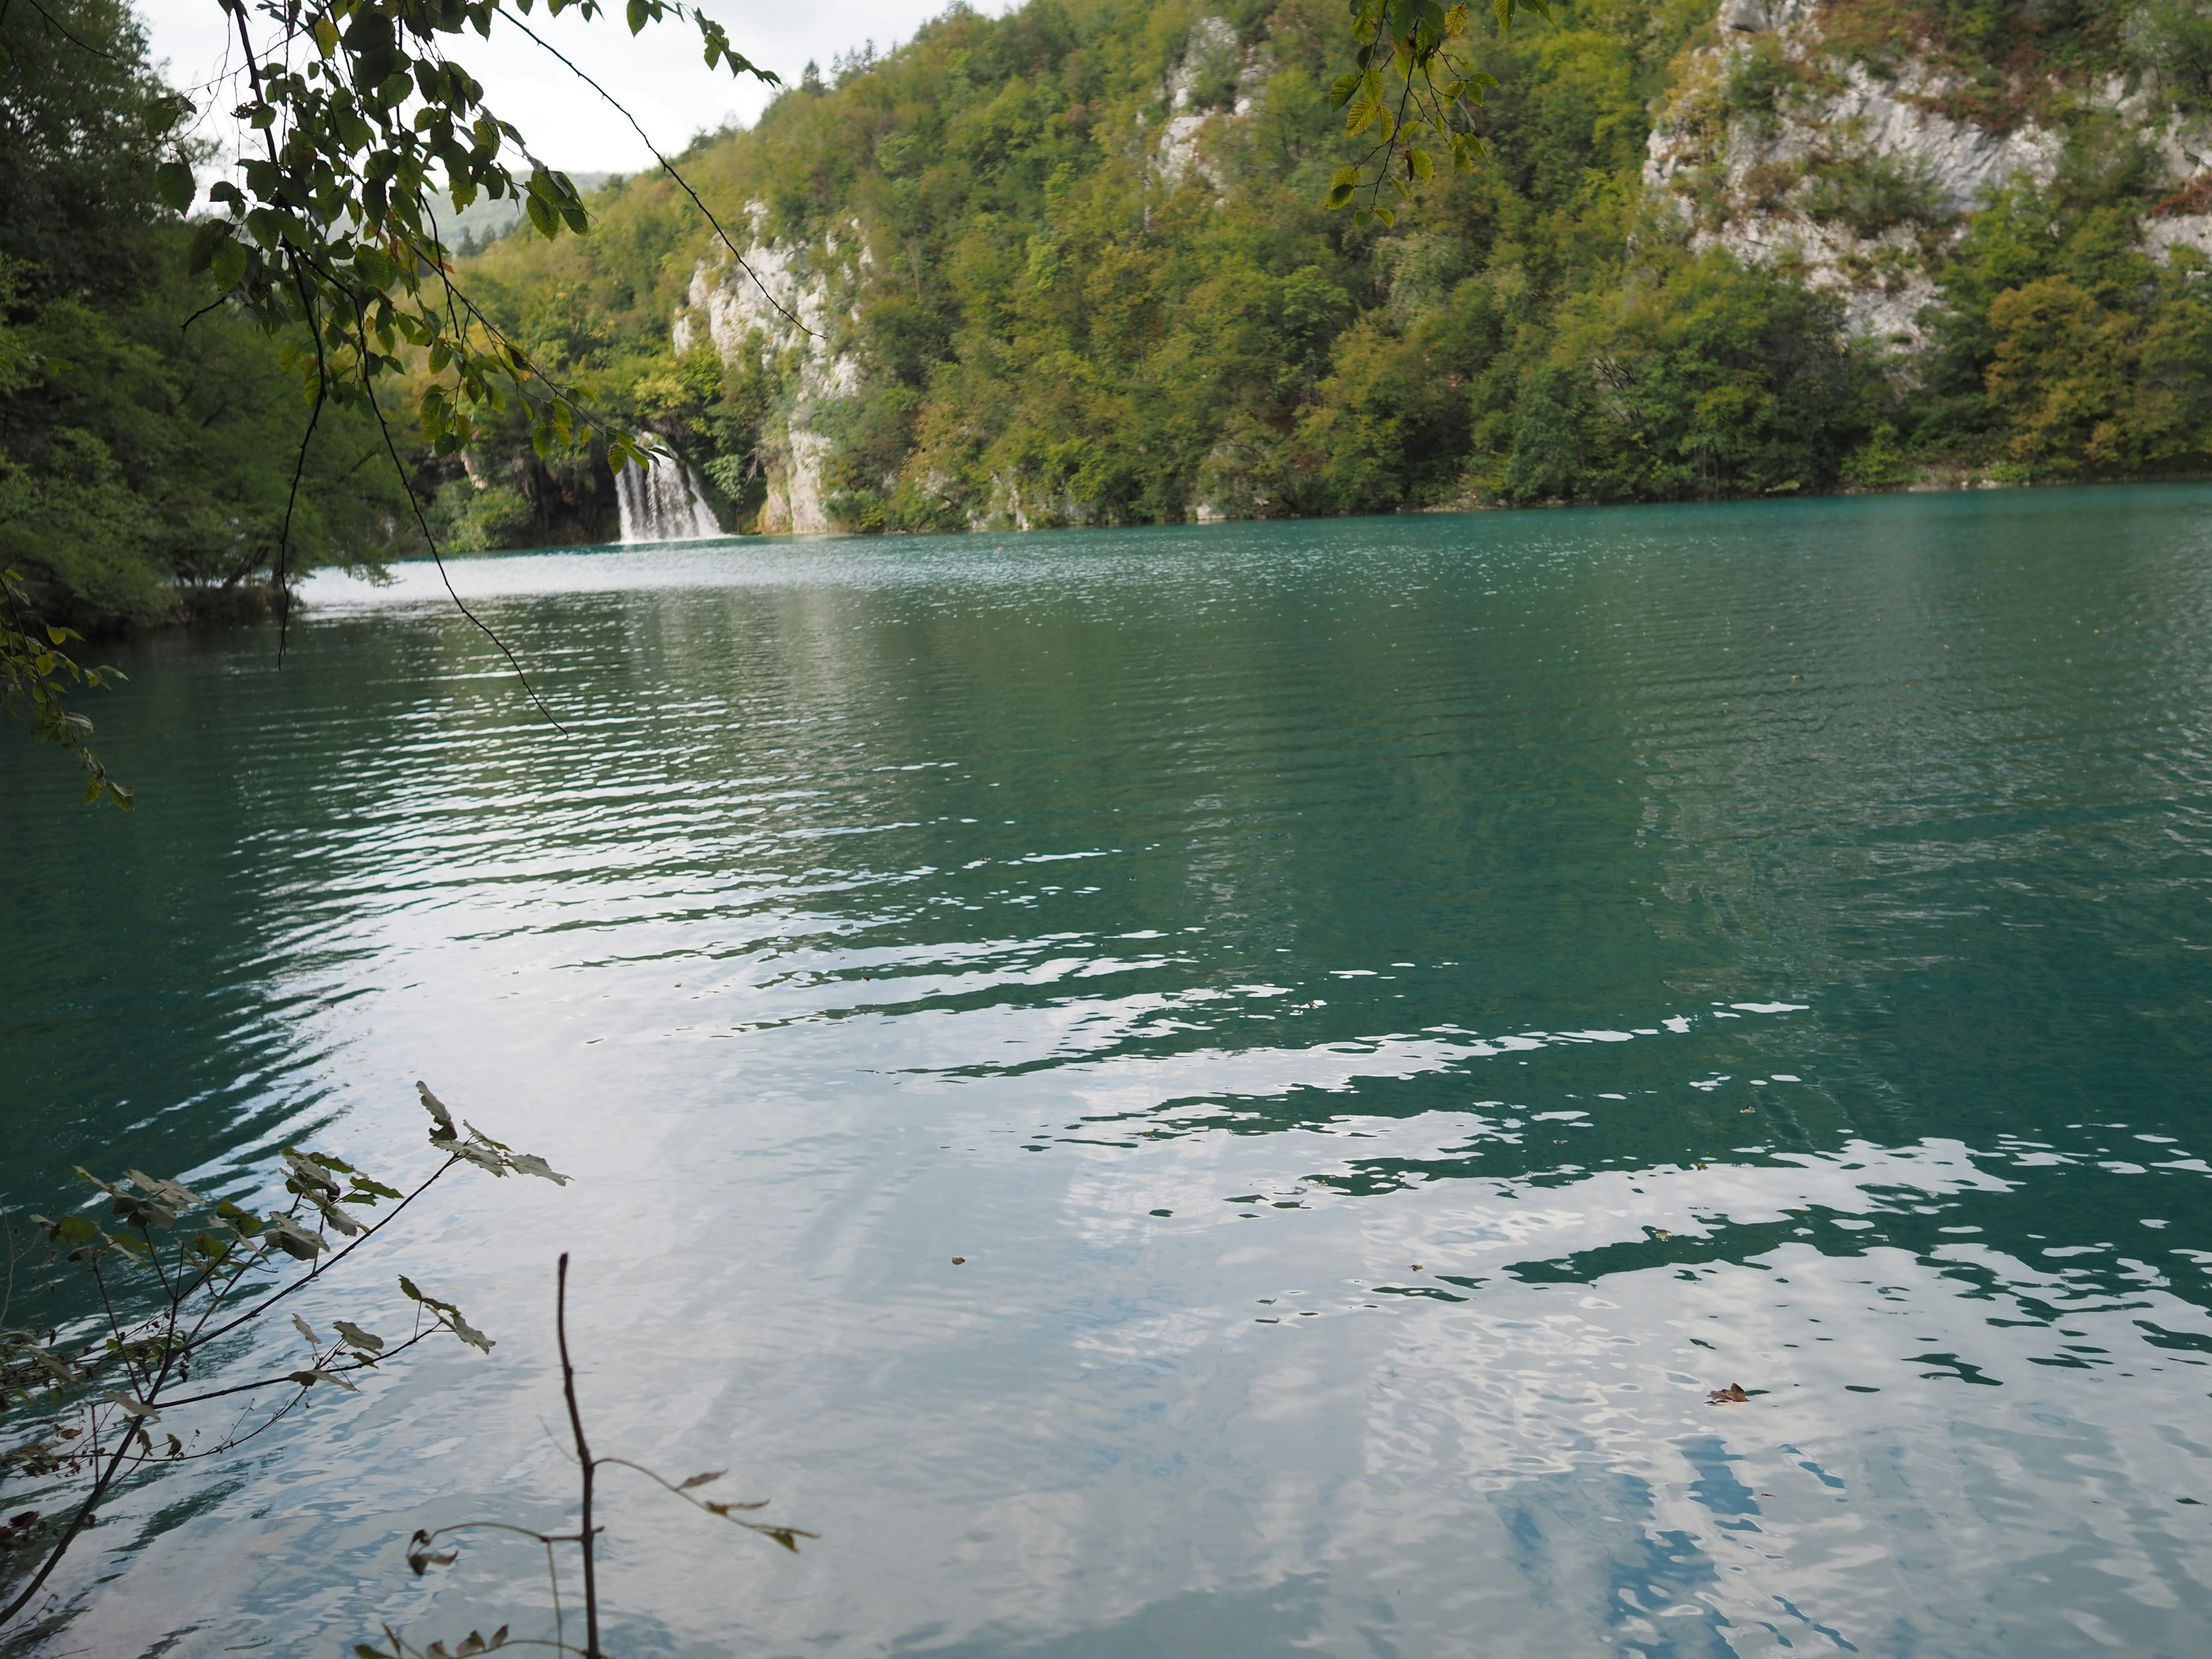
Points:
[(1073, 266)]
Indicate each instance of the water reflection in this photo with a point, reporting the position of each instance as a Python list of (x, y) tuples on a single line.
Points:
[(1390, 1015)]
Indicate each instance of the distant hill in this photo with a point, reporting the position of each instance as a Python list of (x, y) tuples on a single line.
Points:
[(483, 221), (1070, 267)]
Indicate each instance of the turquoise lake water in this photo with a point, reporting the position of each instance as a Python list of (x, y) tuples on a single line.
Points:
[(1390, 1011)]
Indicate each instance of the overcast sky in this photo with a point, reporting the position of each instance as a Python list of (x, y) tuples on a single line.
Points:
[(657, 74)]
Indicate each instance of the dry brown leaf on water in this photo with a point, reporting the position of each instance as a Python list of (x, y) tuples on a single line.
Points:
[(1731, 1395)]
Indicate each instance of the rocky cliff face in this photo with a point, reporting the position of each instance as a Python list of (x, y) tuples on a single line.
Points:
[(1781, 144), (1845, 142), (776, 305)]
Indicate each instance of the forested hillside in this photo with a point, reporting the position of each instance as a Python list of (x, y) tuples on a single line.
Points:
[(1072, 267)]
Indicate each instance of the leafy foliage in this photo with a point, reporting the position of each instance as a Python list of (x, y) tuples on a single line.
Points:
[(150, 457), (2072, 348), (36, 671), (173, 1274)]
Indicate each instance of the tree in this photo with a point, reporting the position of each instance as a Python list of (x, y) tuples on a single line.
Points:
[(146, 438)]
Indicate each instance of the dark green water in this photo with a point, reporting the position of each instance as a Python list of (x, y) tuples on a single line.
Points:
[(1764, 944)]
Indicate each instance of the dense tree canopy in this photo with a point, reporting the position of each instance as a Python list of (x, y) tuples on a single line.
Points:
[(148, 437), (1076, 265)]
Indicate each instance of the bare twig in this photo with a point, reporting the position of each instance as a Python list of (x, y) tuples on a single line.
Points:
[(583, 1460)]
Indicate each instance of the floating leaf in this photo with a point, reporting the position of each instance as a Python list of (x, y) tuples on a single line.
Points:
[(1733, 1394)]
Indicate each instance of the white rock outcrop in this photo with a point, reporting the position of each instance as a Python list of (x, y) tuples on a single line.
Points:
[(1212, 60), (1723, 170), (778, 301)]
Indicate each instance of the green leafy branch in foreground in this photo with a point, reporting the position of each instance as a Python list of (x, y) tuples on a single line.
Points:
[(330, 234), (423, 1553), (85, 1408), (333, 228), (34, 670), (1412, 86)]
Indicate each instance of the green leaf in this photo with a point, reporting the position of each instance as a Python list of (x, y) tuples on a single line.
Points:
[(228, 263), (173, 183), (296, 1240), (542, 216), (172, 1192), (374, 268), (435, 1107), (366, 1341)]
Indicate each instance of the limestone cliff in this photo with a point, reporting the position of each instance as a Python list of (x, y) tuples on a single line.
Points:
[(776, 305), (1784, 143)]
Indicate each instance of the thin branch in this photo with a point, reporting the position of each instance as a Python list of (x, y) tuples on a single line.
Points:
[(547, 1538), (782, 1535), (315, 1272), (669, 168), (583, 1460), (321, 1367), (101, 1483), (299, 471), (445, 575)]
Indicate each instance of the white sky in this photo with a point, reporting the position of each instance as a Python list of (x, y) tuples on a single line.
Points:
[(657, 74)]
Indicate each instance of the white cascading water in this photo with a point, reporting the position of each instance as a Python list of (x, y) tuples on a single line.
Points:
[(665, 503)]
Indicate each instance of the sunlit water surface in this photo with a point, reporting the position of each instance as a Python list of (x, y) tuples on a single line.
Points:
[(1391, 1013)]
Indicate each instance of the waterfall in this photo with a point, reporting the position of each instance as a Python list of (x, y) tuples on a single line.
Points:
[(665, 503)]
